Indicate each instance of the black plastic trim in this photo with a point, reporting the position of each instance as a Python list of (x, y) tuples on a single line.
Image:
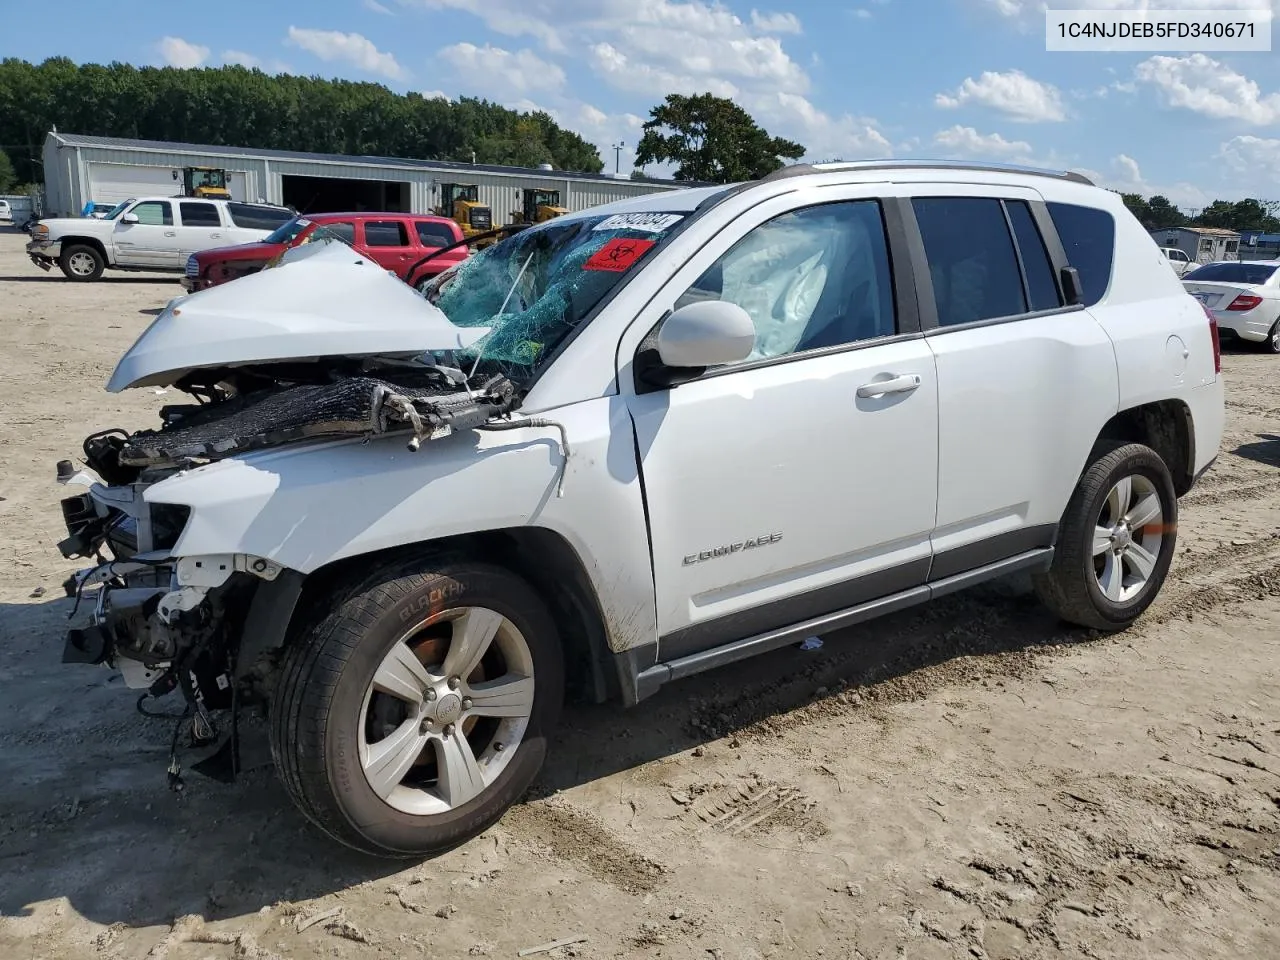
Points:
[(267, 622), (991, 550), (996, 321), (649, 681), (698, 637)]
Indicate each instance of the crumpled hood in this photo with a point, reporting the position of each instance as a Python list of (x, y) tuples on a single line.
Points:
[(328, 301)]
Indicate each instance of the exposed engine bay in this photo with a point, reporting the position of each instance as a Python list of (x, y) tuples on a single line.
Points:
[(176, 624)]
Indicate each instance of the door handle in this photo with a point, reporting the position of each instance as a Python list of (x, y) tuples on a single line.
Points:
[(171, 233), (878, 388), (215, 236)]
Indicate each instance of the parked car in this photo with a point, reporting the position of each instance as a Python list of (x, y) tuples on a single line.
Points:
[(149, 233), (695, 426), (1244, 296), (6, 212), (1180, 262), (96, 209), (396, 241)]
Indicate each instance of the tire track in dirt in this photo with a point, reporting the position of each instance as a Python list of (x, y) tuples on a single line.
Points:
[(579, 839)]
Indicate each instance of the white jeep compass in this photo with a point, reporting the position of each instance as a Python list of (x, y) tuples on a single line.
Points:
[(622, 447)]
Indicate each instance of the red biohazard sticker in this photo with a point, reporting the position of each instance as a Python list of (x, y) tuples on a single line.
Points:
[(617, 255)]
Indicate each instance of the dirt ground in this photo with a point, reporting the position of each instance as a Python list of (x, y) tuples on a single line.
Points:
[(969, 779)]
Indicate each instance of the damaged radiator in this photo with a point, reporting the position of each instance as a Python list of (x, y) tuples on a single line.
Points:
[(353, 406)]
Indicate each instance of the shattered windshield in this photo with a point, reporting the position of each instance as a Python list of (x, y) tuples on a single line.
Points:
[(536, 286)]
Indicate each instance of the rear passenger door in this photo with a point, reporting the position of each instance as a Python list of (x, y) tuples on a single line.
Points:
[(387, 243), (152, 241), (1024, 382), (200, 228)]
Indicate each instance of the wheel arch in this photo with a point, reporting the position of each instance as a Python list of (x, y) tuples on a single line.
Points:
[(283, 610), (74, 241), (1167, 427)]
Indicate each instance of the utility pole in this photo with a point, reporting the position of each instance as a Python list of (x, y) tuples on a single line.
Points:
[(617, 156)]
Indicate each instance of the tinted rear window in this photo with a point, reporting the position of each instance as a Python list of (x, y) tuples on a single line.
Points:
[(251, 216), (971, 259), (1234, 272), (432, 234), (1089, 238), (1041, 287)]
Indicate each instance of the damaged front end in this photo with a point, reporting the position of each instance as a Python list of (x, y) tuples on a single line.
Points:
[(199, 624)]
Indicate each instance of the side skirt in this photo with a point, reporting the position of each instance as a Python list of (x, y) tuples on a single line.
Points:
[(647, 682)]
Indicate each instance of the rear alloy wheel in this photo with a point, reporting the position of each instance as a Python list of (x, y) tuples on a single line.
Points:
[(1272, 343), (81, 262), (1116, 541), (416, 713)]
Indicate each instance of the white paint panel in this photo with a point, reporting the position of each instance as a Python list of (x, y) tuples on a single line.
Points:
[(113, 182)]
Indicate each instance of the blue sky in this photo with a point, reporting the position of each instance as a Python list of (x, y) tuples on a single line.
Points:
[(847, 78)]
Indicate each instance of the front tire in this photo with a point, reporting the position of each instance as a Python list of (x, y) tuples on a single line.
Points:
[(1116, 541), (417, 710), (81, 263)]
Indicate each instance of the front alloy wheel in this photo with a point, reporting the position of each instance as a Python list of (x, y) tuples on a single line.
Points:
[(437, 731), (416, 710)]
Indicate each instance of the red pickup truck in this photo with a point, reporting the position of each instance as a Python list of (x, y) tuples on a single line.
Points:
[(396, 241)]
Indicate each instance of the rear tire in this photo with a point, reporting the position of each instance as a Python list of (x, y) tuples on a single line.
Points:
[(1272, 343), (379, 745), (82, 263), (1116, 541)]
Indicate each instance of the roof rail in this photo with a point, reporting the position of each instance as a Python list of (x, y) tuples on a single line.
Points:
[(802, 169)]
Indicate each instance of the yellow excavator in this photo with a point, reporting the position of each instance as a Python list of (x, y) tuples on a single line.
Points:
[(539, 206), (207, 182), (460, 202)]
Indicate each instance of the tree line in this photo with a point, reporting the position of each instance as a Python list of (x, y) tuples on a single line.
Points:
[(236, 106), (1157, 213)]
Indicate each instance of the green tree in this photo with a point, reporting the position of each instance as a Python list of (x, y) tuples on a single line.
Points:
[(7, 176), (1139, 207), (240, 107), (1164, 214), (712, 139)]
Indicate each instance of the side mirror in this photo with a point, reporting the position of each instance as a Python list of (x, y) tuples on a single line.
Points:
[(129, 218), (708, 333), (1071, 288), (696, 336)]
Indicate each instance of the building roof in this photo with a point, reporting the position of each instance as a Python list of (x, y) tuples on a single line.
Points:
[(1206, 231), (166, 146)]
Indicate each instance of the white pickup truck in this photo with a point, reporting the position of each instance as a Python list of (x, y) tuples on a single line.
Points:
[(150, 233)]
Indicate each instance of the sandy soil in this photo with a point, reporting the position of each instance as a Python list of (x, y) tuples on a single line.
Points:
[(965, 780)]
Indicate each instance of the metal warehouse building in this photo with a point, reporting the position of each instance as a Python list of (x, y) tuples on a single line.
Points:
[(78, 169)]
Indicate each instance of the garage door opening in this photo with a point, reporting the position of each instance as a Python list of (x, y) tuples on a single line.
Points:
[(333, 195)]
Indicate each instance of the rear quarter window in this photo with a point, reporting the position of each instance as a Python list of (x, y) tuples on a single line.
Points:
[(251, 216), (1089, 239)]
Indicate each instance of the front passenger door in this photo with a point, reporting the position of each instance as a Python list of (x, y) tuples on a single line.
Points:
[(152, 241), (801, 482)]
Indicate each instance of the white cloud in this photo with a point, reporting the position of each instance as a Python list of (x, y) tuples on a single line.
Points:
[(1126, 176), (179, 53), (862, 13), (240, 58), (1014, 9), (376, 7), (967, 143), (500, 72), (776, 22), (435, 95), (651, 48), (1204, 85), (350, 48), (1253, 156), (1014, 94)]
